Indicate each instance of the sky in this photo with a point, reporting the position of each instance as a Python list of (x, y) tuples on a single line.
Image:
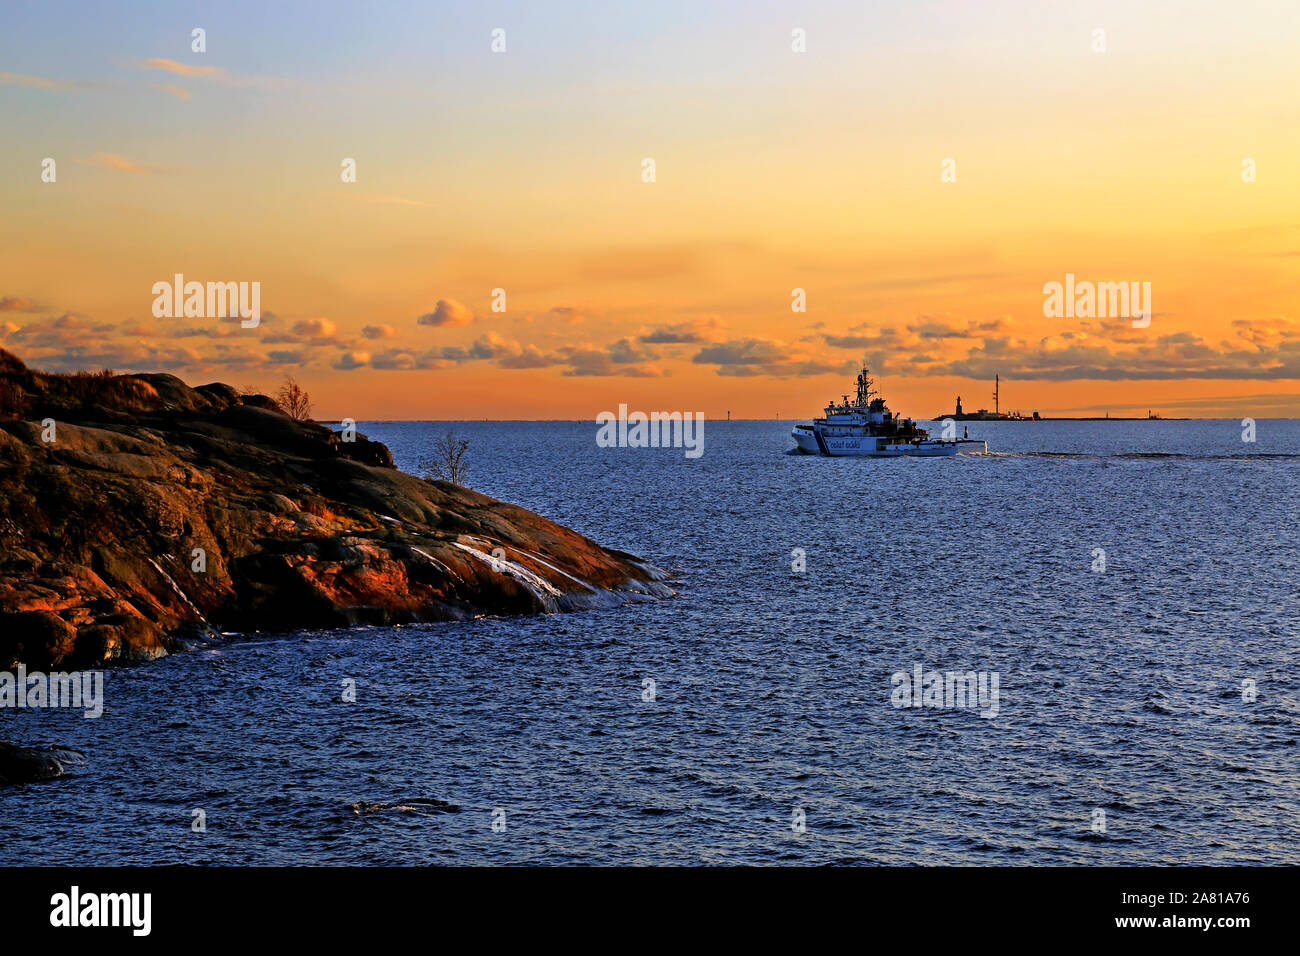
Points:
[(919, 170)]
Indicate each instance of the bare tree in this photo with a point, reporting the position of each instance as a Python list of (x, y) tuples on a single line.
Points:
[(448, 462), (294, 400)]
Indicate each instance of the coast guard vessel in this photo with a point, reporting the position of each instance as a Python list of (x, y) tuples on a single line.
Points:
[(866, 427)]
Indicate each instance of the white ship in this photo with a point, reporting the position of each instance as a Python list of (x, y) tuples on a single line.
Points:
[(866, 427)]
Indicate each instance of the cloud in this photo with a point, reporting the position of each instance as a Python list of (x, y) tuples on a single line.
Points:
[(567, 313), (288, 356), (39, 82), (314, 331), (490, 346), (626, 352), (885, 338), (61, 333), (138, 357), (1260, 332), (314, 328), (176, 91), (485, 347), (623, 357), (594, 363), (215, 74), (448, 312), (751, 357), (185, 69), (74, 341), (394, 359), (352, 360), (932, 281), (618, 358), (378, 331), (934, 329), (740, 352), (119, 164), (1175, 356), (236, 318), (693, 331), (17, 303), (530, 357)]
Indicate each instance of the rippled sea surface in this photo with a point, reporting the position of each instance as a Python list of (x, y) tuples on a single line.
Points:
[(1120, 690)]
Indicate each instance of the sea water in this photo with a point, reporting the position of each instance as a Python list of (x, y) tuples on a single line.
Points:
[(1134, 587)]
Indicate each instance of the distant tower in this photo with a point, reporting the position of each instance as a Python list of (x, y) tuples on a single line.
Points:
[(728, 414), (997, 386), (958, 404)]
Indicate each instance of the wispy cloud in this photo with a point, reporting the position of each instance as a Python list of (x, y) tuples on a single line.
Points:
[(185, 69), (119, 164), (932, 281), (176, 91), (214, 74), (40, 82)]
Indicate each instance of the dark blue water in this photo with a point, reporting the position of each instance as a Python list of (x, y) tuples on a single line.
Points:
[(1119, 690)]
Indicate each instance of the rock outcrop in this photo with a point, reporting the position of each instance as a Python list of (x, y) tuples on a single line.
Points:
[(136, 512), (28, 764)]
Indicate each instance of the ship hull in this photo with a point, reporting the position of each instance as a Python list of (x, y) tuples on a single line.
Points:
[(811, 442)]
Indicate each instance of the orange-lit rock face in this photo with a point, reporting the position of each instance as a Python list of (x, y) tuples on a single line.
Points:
[(102, 528)]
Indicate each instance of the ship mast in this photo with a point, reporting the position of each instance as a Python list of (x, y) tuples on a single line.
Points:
[(864, 384)]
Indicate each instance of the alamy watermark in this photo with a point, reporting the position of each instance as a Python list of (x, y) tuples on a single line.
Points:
[(77, 690), (946, 689), (74, 909), (217, 300), (1088, 300), (653, 430)]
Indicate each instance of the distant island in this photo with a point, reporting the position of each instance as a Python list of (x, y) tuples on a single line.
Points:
[(997, 415)]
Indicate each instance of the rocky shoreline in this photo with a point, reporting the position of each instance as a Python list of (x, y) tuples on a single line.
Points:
[(137, 512)]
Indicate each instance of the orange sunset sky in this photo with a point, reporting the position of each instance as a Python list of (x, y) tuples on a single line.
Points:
[(774, 170)]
